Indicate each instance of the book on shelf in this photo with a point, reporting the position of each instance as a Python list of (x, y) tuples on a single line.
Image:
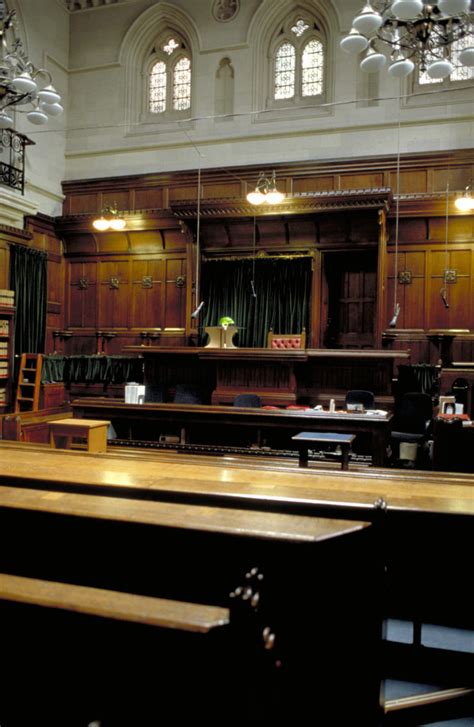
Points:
[(7, 297), (4, 328)]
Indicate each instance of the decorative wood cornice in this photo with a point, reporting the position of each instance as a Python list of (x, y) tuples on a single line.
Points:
[(305, 203)]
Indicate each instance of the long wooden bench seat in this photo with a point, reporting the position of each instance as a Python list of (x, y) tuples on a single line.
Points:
[(199, 554), (159, 612)]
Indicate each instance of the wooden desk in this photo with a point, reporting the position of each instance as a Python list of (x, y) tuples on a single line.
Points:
[(204, 424), (94, 431)]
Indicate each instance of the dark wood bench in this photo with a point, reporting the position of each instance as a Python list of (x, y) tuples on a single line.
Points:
[(304, 440), (32, 426), (198, 554)]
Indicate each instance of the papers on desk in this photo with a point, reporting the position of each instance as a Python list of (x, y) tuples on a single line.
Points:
[(376, 412)]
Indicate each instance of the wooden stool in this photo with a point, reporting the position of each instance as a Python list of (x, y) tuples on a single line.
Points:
[(305, 439), (62, 431)]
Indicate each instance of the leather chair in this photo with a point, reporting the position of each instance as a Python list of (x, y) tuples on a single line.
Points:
[(412, 422), (360, 396), (249, 400), (286, 340)]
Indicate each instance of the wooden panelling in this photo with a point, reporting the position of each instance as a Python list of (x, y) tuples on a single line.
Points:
[(178, 193), (175, 293), (82, 243), (146, 199), (114, 294), (272, 232), (117, 199), (415, 180), (361, 181), (302, 232), (221, 191), (174, 239), (410, 296), (82, 306), (215, 233), (241, 234), (313, 184), (411, 230), (148, 285), (81, 203), (112, 242), (4, 265), (459, 229), (146, 241)]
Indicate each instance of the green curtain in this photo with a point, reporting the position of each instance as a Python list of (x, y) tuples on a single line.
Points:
[(257, 294), (29, 280)]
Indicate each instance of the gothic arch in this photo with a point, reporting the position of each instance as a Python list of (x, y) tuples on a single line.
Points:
[(136, 47)]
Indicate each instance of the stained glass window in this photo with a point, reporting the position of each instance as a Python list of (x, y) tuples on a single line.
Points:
[(299, 27), (312, 69), (182, 85), (158, 88), (170, 46), (285, 60)]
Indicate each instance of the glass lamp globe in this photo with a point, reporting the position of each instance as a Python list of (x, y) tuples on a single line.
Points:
[(440, 69), (6, 121), (37, 117), (52, 109), (274, 197), (454, 7), (401, 67), (466, 56), (255, 197), (373, 61), (406, 9), (101, 224), (49, 95), (368, 21), (354, 42), (24, 83), (117, 223)]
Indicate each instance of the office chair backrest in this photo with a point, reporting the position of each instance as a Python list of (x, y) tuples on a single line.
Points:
[(186, 394), (360, 396), (415, 410), (250, 400)]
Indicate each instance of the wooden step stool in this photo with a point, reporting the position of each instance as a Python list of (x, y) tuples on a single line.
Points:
[(94, 431)]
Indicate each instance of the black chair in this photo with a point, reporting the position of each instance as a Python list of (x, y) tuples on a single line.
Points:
[(412, 421), (186, 394), (155, 393), (249, 400), (359, 396)]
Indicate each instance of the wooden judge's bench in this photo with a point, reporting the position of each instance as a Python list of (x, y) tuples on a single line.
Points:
[(279, 376)]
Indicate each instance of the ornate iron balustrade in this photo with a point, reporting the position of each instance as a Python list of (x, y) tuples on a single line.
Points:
[(12, 158)]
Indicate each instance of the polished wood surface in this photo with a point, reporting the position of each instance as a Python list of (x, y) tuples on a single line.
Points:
[(116, 605), (221, 478), (201, 424), (94, 431)]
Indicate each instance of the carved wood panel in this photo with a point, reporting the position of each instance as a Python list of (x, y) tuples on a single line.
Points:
[(148, 283), (114, 294), (174, 303), (82, 304)]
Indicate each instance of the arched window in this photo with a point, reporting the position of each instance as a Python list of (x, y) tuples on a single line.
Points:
[(169, 76), (298, 62)]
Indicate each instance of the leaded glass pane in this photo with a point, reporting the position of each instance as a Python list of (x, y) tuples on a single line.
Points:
[(170, 46), (299, 28), (312, 67), (158, 88), (182, 85), (460, 72), (285, 71)]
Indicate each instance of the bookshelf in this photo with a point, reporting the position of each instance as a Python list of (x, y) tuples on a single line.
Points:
[(7, 320)]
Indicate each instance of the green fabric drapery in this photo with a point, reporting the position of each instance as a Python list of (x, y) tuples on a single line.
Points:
[(92, 369), (29, 280), (282, 301)]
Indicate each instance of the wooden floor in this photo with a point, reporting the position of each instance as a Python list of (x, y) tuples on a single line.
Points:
[(153, 475)]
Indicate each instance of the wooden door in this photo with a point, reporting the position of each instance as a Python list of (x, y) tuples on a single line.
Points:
[(350, 305)]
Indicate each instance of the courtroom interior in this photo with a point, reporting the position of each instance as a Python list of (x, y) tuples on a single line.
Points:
[(236, 361)]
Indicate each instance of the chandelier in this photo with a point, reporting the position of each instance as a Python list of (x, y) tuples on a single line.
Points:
[(22, 85), (109, 219), (416, 33), (265, 191)]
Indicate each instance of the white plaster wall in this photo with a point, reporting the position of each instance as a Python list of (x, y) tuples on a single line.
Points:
[(44, 26), (105, 139)]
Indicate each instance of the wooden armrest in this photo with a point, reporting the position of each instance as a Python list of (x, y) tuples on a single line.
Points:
[(116, 605)]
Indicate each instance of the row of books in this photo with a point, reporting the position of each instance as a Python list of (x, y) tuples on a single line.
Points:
[(7, 298), (4, 327)]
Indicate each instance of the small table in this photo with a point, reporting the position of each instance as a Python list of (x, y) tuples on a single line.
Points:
[(305, 439), (62, 431)]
